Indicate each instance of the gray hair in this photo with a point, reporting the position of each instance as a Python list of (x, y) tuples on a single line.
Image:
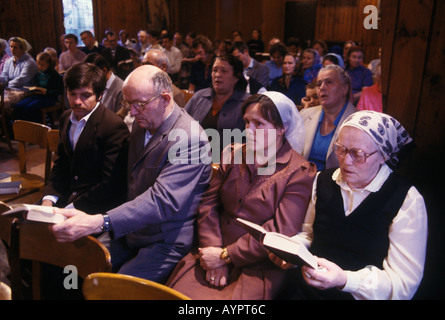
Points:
[(3, 43), (342, 75), (162, 83), (160, 57)]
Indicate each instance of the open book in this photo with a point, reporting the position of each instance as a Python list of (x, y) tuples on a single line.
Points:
[(31, 212), (36, 89), (288, 249)]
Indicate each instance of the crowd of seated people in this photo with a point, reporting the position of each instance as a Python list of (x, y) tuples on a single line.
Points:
[(297, 109)]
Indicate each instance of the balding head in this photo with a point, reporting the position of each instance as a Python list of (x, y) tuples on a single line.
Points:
[(144, 84), (156, 58)]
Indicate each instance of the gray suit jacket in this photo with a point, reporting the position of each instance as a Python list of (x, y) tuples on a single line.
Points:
[(113, 96), (311, 117), (163, 197), (259, 72)]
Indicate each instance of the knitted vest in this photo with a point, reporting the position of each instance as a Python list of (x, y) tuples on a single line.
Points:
[(360, 239)]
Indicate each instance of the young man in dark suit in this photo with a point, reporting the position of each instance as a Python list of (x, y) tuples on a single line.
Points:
[(90, 171)]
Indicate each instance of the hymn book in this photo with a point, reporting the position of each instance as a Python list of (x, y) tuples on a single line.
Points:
[(31, 212), (289, 249)]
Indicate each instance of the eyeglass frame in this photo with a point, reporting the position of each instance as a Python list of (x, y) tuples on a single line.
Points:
[(348, 151), (140, 104)]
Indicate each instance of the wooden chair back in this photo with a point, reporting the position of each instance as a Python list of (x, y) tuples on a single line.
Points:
[(52, 144), (187, 95), (36, 242), (26, 132), (111, 286), (3, 119)]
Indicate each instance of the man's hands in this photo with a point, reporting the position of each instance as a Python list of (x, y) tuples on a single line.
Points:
[(78, 225)]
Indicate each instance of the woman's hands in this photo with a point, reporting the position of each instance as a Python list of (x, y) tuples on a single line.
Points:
[(329, 275), (217, 271)]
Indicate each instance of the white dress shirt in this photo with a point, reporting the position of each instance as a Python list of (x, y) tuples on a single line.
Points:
[(403, 267)]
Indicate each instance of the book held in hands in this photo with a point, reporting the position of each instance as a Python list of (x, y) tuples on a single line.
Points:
[(31, 212), (288, 249)]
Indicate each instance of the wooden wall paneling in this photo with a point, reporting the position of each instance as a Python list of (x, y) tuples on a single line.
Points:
[(34, 21), (198, 16), (429, 131), (116, 15), (342, 20), (389, 14), (408, 59), (273, 12), (229, 18), (425, 167)]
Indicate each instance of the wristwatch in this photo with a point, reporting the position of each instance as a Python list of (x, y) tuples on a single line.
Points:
[(107, 223), (225, 256)]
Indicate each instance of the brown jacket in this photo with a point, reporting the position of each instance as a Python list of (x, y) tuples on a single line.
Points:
[(278, 202)]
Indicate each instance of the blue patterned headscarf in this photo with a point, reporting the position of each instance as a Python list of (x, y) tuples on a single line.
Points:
[(388, 134)]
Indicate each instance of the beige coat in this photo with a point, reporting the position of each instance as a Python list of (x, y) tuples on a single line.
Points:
[(311, 117), (278, 202)]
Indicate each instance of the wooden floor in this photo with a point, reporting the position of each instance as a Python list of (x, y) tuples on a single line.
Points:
[(9, 163)]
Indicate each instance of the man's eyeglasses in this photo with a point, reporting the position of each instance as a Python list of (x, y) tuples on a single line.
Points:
[(357, 155), (138, 105)]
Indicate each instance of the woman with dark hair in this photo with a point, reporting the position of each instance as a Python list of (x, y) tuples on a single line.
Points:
[(272, 191), (290, 83), (255, 44), (200, 74), (219, 107), (360, 75)]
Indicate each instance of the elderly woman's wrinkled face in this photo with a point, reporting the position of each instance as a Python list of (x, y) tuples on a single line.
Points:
[(261, 134), (223, 79), (358, 175), (331, 90)]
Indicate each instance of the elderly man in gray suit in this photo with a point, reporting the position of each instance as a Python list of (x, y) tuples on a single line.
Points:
[(168, 171)]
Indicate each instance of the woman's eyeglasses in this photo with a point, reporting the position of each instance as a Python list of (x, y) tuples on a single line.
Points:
[(357, 155)]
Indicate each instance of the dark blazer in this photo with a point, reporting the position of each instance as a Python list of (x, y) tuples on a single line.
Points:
[(122, 54), (93, 176), (259, 72)]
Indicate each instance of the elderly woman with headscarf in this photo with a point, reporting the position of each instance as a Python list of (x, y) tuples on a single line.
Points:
[(366, 224), (265, 181), (311, 65)]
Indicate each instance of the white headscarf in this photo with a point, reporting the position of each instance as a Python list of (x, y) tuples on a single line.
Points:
[(291, 118), (388, 134)]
